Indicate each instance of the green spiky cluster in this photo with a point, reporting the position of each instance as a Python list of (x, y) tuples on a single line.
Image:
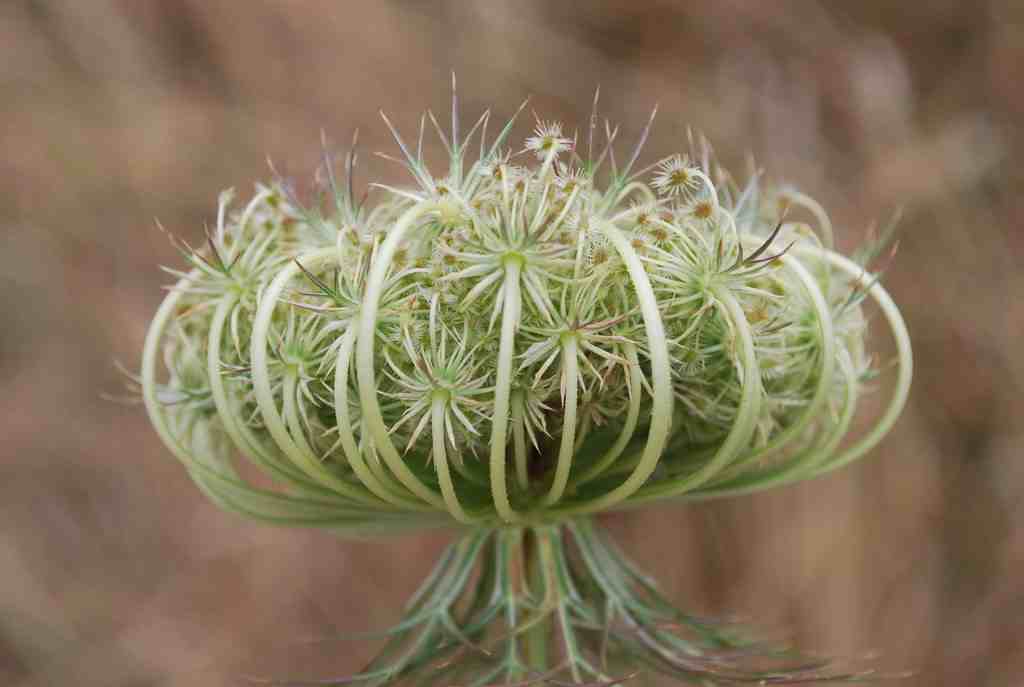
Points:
[(529, 336)]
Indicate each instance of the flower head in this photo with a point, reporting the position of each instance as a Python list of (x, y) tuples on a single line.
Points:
[(513, 344), (677, 177), (548, 140)]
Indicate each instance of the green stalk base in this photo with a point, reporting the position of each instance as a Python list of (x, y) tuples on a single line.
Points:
[(560, 604)]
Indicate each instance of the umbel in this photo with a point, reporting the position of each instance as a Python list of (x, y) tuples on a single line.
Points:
[(535, 334)]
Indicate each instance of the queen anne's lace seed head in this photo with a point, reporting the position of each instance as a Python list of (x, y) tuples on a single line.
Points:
[(547, 140), (677, 177), (513, 342)]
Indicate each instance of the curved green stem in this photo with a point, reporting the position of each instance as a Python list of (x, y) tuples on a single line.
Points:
[(150, 354), (746, 415), (238, 431), (444, 477), (819, 461), (826, 372), (582, 433), (290, 413), (231, 493), (661, 383), (519, 441), (905, 359), (502, 391), (272, 418), (570, 381), (635, 396), (364, 356), (387, 491), (852, 387), (800, 466)]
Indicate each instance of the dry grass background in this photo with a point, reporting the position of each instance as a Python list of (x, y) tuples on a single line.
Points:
[(113, 571)]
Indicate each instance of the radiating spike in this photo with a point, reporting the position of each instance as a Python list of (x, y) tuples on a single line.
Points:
[(398, 139), (640, 143), (455, 114)]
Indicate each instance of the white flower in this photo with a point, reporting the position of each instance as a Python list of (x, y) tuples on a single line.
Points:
[(701, 213), (547, 138), (676, 176)]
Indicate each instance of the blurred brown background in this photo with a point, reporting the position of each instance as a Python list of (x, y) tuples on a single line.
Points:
[(114, 571)]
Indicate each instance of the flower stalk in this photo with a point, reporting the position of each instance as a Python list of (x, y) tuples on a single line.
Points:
[(529, 604)]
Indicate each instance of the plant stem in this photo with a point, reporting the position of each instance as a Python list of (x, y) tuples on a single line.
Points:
[(502, 391), (365, 343), (537, 637), (444, 476), (570, 391)]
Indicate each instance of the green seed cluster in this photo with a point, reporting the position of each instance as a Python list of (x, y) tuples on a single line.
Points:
[(532, 335)]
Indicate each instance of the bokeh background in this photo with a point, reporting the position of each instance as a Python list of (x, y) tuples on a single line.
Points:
[(114, 571)]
